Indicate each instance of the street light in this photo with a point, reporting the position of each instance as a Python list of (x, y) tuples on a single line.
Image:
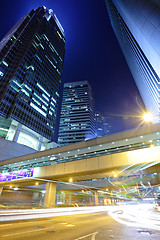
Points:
[(71, 180), (148, 117)]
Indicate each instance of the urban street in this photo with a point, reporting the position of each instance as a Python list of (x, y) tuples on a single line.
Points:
[(80, 120), (93, 226)]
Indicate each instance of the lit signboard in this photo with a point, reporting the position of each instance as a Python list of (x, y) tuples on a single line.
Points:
[(8, 176)]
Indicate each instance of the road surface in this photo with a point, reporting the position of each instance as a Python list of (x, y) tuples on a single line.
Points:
[(91, 226)]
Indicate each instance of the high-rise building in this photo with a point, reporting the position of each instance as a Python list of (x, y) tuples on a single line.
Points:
[(31, 62), (137, 28), (103, 126), (77, 119)]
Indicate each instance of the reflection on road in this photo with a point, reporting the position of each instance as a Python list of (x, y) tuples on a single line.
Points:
[(140, 215)]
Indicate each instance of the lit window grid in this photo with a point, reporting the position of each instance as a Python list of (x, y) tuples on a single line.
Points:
[(57, 89), (76, 111)]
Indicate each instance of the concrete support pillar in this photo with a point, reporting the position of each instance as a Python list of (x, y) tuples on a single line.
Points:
[(64, 198), (1, 189), (16, 135), (90, 200), (70, 199), (40, 143), (96, 198), (50, 195)]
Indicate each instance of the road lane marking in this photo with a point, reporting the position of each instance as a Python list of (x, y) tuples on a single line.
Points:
[(44, 229), (87, 236), (5, 225), (70, 225), (13, 234), (95, 219), (32, 222), (94, 236)]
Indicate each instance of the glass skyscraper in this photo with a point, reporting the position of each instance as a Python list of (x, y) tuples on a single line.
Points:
[(77, 119), (103, 126), (137, 28), (31, 63)]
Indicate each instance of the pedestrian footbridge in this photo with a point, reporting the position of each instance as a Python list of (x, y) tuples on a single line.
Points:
[(129, 153)]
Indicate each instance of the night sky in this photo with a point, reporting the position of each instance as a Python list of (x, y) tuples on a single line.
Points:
[(92, 53)]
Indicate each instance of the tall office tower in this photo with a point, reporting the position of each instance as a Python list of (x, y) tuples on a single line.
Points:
[(137, 28), (103, 126), (31, 62), (77, 119)]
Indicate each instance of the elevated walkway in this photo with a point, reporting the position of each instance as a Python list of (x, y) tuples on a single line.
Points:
[(134, 152)]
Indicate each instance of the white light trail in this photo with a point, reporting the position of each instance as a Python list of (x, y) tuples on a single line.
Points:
[(140, 215), (18, 214)]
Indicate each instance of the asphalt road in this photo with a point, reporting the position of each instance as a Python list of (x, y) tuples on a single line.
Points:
[(94, 226)]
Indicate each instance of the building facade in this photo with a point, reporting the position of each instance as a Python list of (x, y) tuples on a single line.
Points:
[(77, 119), (103, 126), (31, 63), (137, 28)]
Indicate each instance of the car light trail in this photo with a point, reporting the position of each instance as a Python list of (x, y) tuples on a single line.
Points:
[(140, 215), (13, 215)]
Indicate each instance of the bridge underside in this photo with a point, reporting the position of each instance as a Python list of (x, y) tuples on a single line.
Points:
[(120, 167), (113, 177)]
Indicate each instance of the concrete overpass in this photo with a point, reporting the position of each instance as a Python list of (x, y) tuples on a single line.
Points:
[(134, 152)]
